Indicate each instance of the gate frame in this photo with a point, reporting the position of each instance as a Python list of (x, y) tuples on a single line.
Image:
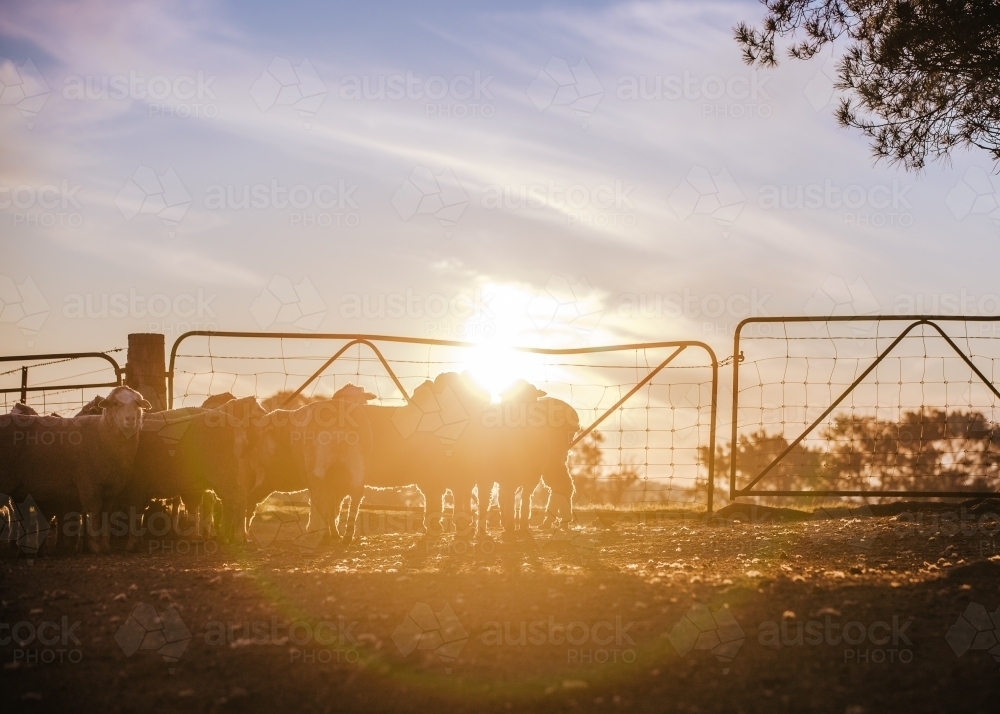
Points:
[(369, 340), (61, 356), (915, 321)]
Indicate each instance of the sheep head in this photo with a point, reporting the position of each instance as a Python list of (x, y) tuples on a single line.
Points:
[(124, 408), (91, 408), (217, 400), (521, 392), (353, 394)]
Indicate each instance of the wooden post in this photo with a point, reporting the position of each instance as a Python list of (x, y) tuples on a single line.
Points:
[(145, 371)]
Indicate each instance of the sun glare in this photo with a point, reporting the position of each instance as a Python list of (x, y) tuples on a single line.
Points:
[(500, 324), (495, 367)]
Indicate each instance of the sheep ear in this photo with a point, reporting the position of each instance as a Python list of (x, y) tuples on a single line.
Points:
[(145, 405), (539, 393), (369, 396)]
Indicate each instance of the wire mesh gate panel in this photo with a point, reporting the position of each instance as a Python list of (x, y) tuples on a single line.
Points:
[(57, 383), (648, 410), (865, 406)]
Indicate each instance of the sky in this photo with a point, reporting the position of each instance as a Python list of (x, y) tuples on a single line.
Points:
[(554, 175)]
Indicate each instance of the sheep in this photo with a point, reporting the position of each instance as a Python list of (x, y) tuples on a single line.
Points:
[(514, 444), (319, 447), (217, 400), (8, 453), (472, 463), (74, 463), (186, 452), (91, 408), (535, 433), (433, 443)]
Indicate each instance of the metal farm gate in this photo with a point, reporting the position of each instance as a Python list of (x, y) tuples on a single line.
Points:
[(865, 406), (61, 388), (648, 410)]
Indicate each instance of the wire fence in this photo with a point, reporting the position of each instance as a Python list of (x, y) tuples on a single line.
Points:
[(58, 383), (652, 405), (866, 406)]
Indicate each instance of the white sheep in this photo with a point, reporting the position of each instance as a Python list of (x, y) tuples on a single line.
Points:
[(320, 448), (434, 444), (77, 463), (187, 452), (535, 433)]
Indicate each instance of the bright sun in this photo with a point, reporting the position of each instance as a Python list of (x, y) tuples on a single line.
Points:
[(495, 367), (506, 321), (502, 324)]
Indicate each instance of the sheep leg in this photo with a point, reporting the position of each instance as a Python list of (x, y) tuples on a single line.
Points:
[(329, 510), (433, 517), (95, 531), (524, 511), (97, 536), (317, 519), (482, 508), (421, 527), (233, 505), (65, 545), (175, 513), (505, 500), (352, 517), (356, 491), (204, 523), (465, 522), (132, 544), (236, 514)]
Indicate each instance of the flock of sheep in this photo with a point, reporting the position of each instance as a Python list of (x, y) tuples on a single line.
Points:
[(116, 458)]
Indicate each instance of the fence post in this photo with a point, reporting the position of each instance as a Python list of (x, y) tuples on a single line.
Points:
[(145, 370)]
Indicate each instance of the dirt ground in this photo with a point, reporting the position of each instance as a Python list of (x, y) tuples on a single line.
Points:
[(648, 611)]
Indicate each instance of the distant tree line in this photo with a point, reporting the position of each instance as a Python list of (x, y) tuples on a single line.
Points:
[(925, 450)]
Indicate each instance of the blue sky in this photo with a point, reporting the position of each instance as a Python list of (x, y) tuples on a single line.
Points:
[(646, 213)]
